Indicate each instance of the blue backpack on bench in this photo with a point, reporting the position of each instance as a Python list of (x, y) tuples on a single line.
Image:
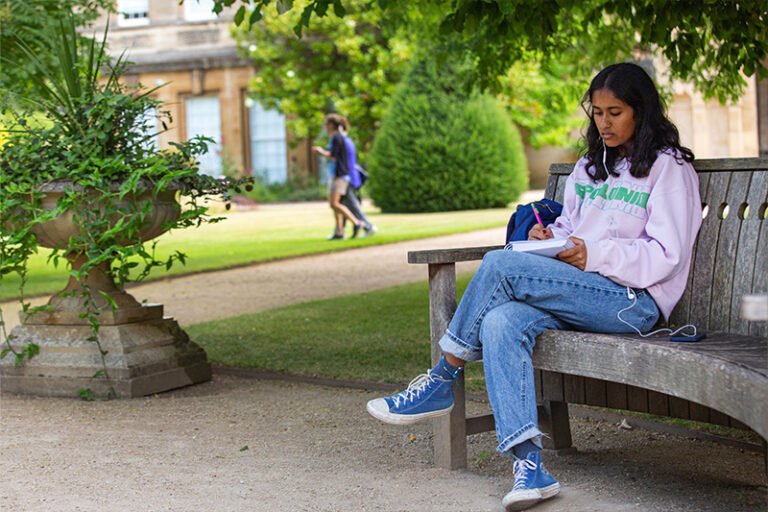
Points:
[(521, 222)]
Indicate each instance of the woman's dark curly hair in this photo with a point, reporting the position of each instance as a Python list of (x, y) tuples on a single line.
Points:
[(654, 132)]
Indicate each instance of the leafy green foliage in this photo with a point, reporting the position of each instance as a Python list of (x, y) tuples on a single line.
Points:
[(544, 100), (34, 24), (348, 65), (93, 146), (708, 42), (440, 148)]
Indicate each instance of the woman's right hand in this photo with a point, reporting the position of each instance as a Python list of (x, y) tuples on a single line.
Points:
[(539, 232)]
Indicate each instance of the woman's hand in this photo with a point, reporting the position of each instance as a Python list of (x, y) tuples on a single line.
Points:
[(322, 151), (576, 256), (539, 232)]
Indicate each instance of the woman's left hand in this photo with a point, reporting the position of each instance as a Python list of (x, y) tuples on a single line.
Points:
[(576, 256)]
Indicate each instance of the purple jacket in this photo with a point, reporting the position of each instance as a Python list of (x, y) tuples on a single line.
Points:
[(354, 174)]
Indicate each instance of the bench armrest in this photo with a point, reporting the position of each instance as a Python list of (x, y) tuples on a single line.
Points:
[(441, 256)]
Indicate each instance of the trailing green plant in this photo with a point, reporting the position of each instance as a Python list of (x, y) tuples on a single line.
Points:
[(443, 148), (93, 143)]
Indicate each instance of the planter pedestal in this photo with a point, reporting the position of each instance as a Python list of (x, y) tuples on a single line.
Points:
[(142, 358), (145, 352)]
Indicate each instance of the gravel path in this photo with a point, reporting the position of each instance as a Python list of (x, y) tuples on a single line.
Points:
[(314, 448)]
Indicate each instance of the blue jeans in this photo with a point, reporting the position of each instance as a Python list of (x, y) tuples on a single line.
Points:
[(512, 298)]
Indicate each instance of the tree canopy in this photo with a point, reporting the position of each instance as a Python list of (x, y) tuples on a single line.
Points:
[(352, 64), (348, 65), (34, 23), (708, 42)]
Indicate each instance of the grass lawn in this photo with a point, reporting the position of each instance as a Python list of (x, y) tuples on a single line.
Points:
[(378, 336), (271, 232)]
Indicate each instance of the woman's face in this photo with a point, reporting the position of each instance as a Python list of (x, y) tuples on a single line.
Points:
[(615, 119), (330, 128)]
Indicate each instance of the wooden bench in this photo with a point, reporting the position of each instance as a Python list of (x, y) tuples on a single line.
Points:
[(722, 379)]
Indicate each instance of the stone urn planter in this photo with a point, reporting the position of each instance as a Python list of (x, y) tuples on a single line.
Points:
[(145, 352)]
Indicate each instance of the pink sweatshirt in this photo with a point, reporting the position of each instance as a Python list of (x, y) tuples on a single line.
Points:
[(639, 232)]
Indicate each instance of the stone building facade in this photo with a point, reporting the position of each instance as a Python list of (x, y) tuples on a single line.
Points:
[(188, 50)]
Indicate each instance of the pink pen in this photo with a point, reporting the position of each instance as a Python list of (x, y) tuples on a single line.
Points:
[(536, 213)]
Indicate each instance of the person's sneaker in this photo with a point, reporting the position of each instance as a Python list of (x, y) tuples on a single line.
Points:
[(356, 230), (533, 483), (370, 230), (427, 396), (335, 236)]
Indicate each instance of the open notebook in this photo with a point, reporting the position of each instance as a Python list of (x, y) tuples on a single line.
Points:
[(542, 247)]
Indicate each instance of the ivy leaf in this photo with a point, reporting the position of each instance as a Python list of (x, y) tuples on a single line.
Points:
[(255, 16), (240, 15), (339, 9), (86, 394), (110, 300)]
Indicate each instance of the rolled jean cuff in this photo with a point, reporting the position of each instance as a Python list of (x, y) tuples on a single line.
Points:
[(454, 346), (524, 433)]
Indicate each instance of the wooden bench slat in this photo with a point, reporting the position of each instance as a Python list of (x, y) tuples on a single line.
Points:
[(746, 263), (704, 260), (440, 256), (637, 399), (727, 252), (760, 280), (682, 312), (705, 165), (559, 196)]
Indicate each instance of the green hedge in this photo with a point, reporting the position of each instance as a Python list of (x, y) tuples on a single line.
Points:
[(441, 148)]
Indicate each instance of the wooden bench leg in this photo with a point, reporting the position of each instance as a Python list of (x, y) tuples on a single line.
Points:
[(450, 432), (554, 421)]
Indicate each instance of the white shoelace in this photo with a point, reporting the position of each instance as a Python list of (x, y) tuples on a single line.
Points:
[(520, 466), (414, 389)]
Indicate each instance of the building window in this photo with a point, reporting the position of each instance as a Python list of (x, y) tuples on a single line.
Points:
[(132, 13), (199, 10), (203, 118), (268, 149)]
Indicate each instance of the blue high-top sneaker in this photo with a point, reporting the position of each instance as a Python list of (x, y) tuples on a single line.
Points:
[(533, 483), (429, 395)]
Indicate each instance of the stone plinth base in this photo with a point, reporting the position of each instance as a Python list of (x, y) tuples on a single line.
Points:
[(142, 358)]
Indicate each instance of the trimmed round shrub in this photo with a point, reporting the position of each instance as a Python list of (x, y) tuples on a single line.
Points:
[(441, 148)]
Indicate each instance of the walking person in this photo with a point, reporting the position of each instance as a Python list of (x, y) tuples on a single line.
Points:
[(632, 209), (340, 183), (351, 199)]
